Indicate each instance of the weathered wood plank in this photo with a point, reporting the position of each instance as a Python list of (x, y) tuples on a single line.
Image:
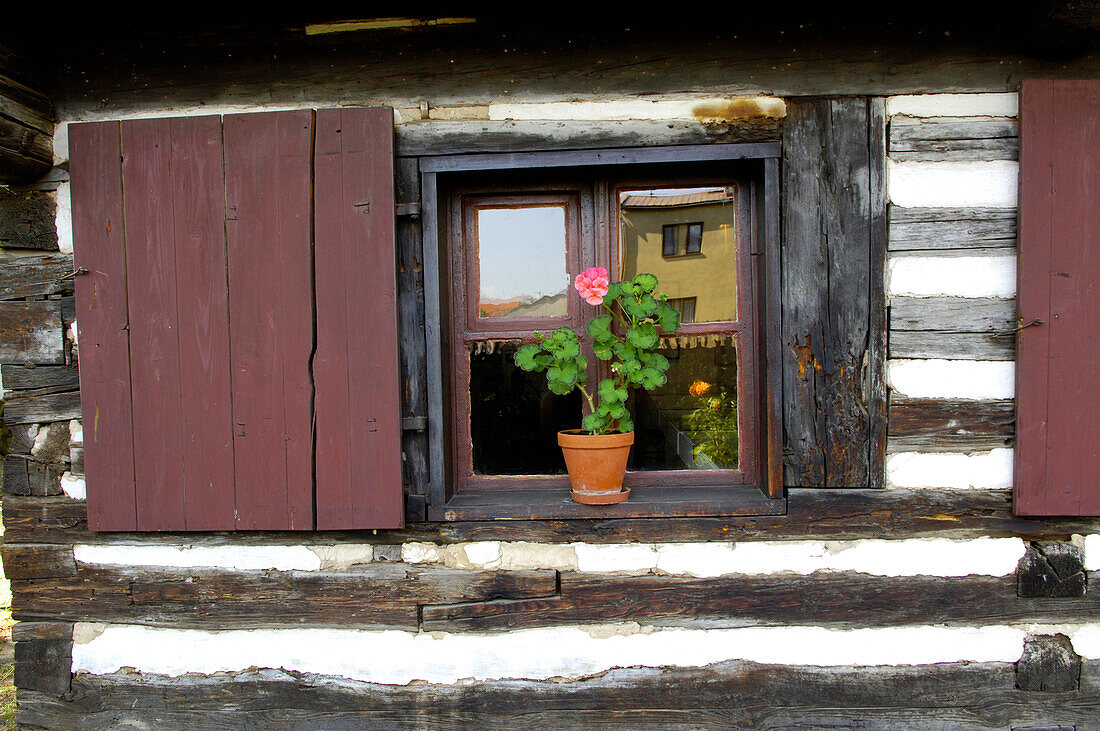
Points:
[(950, 424), (811, 514), (948, 139), (44, 665), (952, 345), (724, 695), (26, 153), (21, 631), (845, 599), (27, 220), (24, 476), (449, 138), (383, 594), (1052, 569), (40, 379), (34, 407), (1048, 665), (877, 341), (953, 314), (37, 561), (916, 229), (31, 332), (826, 292)]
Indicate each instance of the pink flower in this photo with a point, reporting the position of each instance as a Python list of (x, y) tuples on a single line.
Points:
[(592, 284)]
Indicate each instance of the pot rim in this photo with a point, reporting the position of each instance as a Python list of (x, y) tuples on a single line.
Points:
[(578, 439)]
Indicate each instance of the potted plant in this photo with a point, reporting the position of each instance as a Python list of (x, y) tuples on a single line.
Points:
[(596, 454)]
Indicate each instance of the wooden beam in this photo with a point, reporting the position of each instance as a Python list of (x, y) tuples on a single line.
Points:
[(916, 229), (27, 220), (31, 332)]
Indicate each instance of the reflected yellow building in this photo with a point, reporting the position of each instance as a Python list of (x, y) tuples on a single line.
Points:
[(687, 241)]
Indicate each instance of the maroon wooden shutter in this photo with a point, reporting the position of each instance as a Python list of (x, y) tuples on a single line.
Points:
[(198, 321), (1057, 387)]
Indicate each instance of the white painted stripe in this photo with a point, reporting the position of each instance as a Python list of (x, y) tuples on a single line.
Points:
[(697, 108), (399, 658), (954, 105), (982, 470), (963, 379), (281, 558), (978, 183), (951, 276), (73, 486), (914, 557), (1092, 552), (63, 219)]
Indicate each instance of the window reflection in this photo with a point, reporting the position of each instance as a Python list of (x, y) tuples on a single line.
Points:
[(690, 423), (685, 236), (522, 262)]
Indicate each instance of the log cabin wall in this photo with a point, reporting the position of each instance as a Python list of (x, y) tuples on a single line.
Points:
[(923, 603)]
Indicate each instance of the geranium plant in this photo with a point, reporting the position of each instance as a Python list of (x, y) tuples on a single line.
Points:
[(638, 310)]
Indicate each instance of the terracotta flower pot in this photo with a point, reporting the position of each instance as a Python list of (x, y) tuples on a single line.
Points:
[(596, 465)]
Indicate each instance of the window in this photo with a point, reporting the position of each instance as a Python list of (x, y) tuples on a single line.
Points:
[(509, 243)]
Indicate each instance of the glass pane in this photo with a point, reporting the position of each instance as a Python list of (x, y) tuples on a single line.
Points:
[(685, 236), (514, 420), (690, 423), (522, 263)]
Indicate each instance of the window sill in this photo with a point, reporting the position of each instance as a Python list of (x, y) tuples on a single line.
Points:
[(644, 502)]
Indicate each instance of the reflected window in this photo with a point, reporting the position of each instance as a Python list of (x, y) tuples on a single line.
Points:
[(522, 268), (687, 238), (685, 307)]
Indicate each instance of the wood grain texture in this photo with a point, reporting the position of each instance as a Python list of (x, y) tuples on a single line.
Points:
[(268, 225), (917, 229), (204, 415), (150, 214), (877, 390), (811, 514), (355, 368), (40, 379), (37, 561), (38, 275), (950, 424), (730, 694), (954, 139), (27, 220), (843, 599), (31, 332), (29, 407), (44, 665), (952, 346), (95, 153), (1058, 440), (382, 595), (25, 476), (826, 292), (953, 314)]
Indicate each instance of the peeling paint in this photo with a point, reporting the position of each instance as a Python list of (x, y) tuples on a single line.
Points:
[(73, 486), (344, 555), (951, 276), (953, 105), (980, 470), (280, 558), (399, 658)]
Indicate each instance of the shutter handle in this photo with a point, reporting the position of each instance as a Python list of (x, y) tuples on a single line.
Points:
[(1034, 322), (76, 273)]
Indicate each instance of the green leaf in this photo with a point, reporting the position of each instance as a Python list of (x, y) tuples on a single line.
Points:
[(614, 290), (525, 357), (648, 304), (603, 351), (646, 282), (652, 378), (594, 423), (626, 424), (658, 361), (568, 349), (668, 317), (600, 328), (625, 351), (558, 387), (643, 335), (609, 393), (633, 307)]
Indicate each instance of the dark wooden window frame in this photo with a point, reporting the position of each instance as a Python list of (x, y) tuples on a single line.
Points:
[(759, 164)]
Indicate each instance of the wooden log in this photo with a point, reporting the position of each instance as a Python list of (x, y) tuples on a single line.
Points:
[(734, 694), (26, 153), (31, 407), (953, 314), (952, 424), (1052, 569), (952, 346), (826, 277), (44, 665), (22, 631), (24, 476), (954, 139), (36, 275), (40, 379), (27, 220), (37, 561), (31, 332), (811, 514), (917, 229), (376, 595), (22, 438), (449, 138), (843, 599), (1048, 665)]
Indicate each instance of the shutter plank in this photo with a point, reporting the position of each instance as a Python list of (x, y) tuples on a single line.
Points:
[(267, 158), (356, 366), (1058, 422), (203, 322), (154, 334), (94, 160)]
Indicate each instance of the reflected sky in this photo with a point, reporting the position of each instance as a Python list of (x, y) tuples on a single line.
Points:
[(522, 252)]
